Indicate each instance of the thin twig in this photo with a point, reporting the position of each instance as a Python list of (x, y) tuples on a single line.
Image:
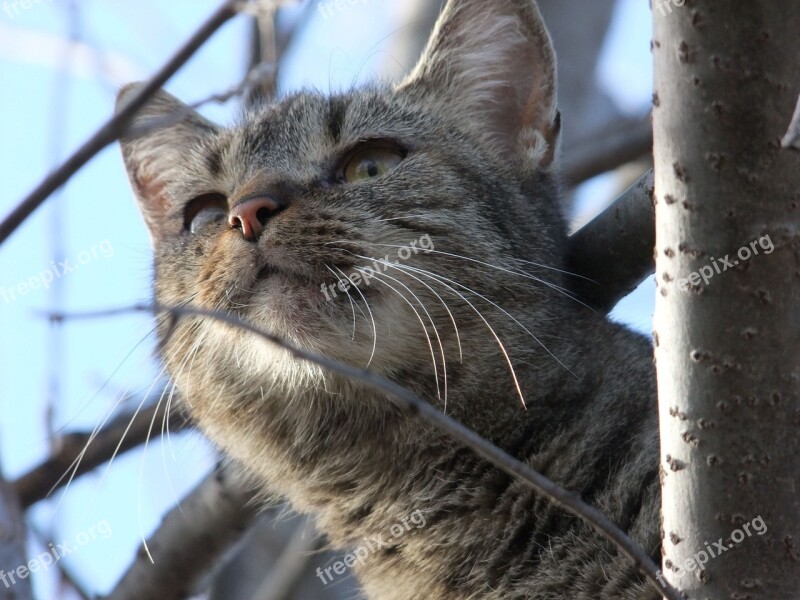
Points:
[(568, 501), (614, 251), (115, 126), (120, 435)]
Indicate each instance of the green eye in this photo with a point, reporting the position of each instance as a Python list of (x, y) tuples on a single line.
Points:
[(371, 162)]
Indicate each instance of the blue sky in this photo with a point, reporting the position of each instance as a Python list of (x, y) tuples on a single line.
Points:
[(99, 361)]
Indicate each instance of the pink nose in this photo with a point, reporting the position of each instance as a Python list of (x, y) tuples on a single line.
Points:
[(251, 216)]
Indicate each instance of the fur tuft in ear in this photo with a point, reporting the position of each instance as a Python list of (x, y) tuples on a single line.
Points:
[(157, 151), (493, 63)]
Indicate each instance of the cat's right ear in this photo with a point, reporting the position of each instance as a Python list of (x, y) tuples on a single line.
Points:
[(157, 151), (492, 63)]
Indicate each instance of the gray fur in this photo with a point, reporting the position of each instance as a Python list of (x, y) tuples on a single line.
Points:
[(478, 179)]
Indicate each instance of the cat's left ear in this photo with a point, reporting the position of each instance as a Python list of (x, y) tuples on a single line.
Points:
[(160, 151), (493, 63)]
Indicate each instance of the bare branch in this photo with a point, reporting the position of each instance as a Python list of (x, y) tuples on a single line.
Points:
[(416, 406), (284, 577), (268, 47), (613, 146), (614, 251), (115, 126), (120, 435), (190, 539), (12, 546), (264, 54)]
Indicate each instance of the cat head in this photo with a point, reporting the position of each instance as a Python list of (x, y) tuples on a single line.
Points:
[(400, 227)]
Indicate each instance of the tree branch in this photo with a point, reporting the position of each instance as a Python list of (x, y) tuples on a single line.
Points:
[(618, 144), (614, 251), (288, 571), (116, 125), (417, 407), (80, 453), (268, 47), (12, 546), (191, 537)]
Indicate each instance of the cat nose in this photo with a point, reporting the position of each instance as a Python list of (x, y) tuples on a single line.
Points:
[(251, 216)]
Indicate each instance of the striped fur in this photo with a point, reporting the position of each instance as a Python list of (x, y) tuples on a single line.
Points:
[(484, 313)]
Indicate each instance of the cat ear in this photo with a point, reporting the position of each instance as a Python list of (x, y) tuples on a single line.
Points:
[(157, 150), (493, 63)]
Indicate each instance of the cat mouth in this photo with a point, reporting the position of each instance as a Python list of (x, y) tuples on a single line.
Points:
[(282, 280)]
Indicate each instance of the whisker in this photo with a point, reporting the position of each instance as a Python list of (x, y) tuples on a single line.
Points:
[(372, 319), (480, 315), (424, 327), (513, 318), (435, 332), (349, 297), (435, 293), (518, 272)]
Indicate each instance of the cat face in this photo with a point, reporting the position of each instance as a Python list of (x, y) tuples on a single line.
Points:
[(376, 226)]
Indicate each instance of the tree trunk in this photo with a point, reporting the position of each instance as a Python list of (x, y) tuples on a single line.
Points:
[(727, 335)]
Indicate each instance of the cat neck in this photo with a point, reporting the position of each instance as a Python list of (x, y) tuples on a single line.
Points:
[(341, 450)]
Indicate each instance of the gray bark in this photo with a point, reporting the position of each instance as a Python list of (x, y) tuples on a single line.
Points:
[(613, 253), (726, 80), (12, 547), (191, 538)]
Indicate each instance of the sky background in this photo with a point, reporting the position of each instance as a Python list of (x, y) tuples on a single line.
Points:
[(54, 96)]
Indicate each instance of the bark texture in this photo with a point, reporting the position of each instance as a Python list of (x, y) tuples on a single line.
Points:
[(726, 81), (190, 539), (12, 547), (613, 253)]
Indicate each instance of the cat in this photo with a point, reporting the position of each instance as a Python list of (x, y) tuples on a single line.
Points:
[(415, 229)]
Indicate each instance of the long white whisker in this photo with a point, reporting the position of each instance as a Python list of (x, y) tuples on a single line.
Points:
[(435, 293), (416, 312), (349, 297), (372, 320), (480, 315), (528, 262), (518, 273), (512, 317), (435, 332), (72, 470)]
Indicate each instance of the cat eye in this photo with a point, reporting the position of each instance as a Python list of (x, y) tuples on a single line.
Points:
[(370, 162), (205, 210)]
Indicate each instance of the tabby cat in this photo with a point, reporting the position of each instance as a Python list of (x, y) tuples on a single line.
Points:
[(415, 229)]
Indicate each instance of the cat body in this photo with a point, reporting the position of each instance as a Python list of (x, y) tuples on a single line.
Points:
[(261, 218)]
